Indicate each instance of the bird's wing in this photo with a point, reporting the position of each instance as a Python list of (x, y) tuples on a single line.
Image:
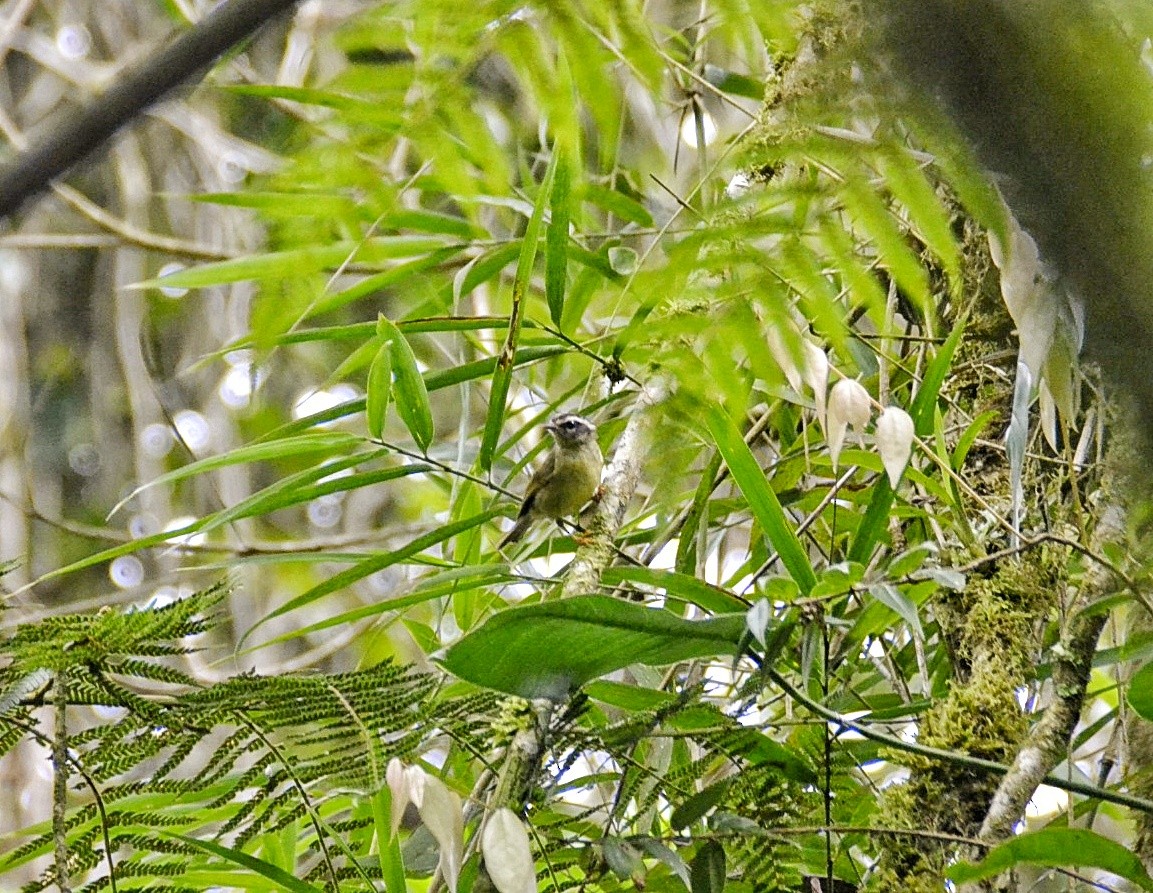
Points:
[(539, 477)]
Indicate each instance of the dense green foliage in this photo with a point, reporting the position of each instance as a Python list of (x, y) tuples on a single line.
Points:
[(795, 661)]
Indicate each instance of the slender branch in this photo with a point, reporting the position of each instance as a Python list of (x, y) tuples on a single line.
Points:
[(603, 520), (522, 757), (318, 823), (950, 756), (32, 732), (60, 779), (83, 132), (1048, 739)]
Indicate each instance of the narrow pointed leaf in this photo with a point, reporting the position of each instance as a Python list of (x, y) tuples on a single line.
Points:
[(408, 385), (762, 500), (267, 451), (707, 869), (379, 390), (922, 410), (278, 876), (373, 563), (556, 241), (895, 600), (502, 377), (1056, 848), (297, 262)]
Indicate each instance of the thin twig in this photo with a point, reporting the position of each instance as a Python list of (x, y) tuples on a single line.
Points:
[(60, 779), (949, 756)]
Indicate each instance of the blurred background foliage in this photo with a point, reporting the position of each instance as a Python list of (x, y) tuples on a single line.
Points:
[(272, 371)]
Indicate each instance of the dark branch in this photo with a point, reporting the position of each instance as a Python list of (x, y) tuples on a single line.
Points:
[(83, 133)]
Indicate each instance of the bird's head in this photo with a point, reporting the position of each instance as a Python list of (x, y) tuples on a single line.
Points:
[(571, 430)]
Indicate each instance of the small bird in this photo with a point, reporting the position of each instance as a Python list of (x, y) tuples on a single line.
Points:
[(566, 479)]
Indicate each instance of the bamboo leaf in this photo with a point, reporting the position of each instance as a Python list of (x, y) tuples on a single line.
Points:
[(502, 377), (1056, 848), (408, 385), (912, 189), (762, 500), (557, 238), (297, 262), (379, 390), (870, 212), (278, 876), (688, 588), (264, 451), (373, 563)]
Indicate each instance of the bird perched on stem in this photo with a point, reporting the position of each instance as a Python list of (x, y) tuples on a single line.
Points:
[(566, 479)]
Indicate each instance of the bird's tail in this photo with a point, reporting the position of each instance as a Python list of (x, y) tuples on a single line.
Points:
[(518, 530)]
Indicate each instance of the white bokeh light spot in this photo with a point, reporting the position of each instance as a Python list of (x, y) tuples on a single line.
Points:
[(236, 388), (314, 401), (689, 129), (84, 459), (127, 571), (325, 512), (187, 539), (171, 291), (156, 440), (73, 41), (193, 429)]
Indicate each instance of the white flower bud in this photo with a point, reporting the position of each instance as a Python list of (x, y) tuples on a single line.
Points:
[(738, 185), (507, 854), (894, 441), (442, 812), (817, 376), (397, 779), (780, 347), (848, 405)]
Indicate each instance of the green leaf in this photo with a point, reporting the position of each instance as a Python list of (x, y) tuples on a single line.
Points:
[(502, 377), (1056, 848), (691, 589), (734, 83), (297, 262), (617, 203), (265, 451), (408, 385), (311, 96), (666, 856), (909, 185), (548, 650), (373, 563), (698, 804), (556, 240), (484, 268), (265, 869), (388, 852), (708, 868), (895, 600), (379, 390), (969, 436), (375, 284), (892, 250), (627, 697), (282, 203), (923, 409), (1141, 692), (925, 400), (762, 500), (622, 858)]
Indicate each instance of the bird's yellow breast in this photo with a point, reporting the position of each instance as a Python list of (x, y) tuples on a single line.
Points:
[(575, 478)]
